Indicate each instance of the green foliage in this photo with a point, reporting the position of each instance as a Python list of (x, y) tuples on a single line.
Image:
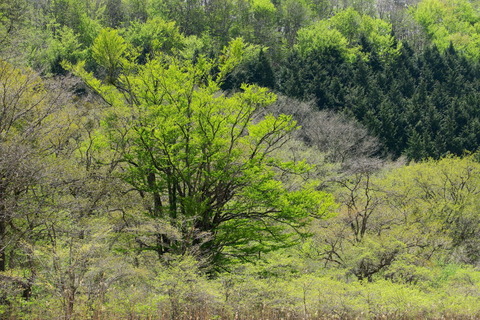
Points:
[(396, 224), (65, 47), (189, 15), (69, 47), (132, 201), (46, 49), (295, 15), (153, 36), (344, 32), (28, 105), (355, 26), (12, 14), (200, 156), (440, 198), (418, 105), (449, 22), (320, 37), (88, 30), (264, 13), (111, 52), (66, 13), (263, 7), (255, 68)]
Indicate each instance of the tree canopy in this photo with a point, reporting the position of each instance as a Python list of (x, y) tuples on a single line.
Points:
[(203, 160)]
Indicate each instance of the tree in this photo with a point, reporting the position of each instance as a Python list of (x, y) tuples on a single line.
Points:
[(422, 213), (220, 18), (26, 108), (109, 50), (295, 15), (154, 35), (189, 14), (438, 198), (203, 161), (447, 22), (320, 37), (255, 69), (340, 139), (376, 32), (360, 238), (114, 13), (11, 16), (263, 14), (67, 13)]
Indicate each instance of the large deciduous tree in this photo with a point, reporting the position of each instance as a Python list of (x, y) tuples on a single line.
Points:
[(204, 161)]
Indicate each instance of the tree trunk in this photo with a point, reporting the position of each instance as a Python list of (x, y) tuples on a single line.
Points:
[(3, 231)]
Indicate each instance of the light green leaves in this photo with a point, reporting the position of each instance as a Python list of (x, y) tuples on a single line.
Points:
[(449, 21), (154, 36), (205, 159), (111, 51), (343, 32), (321, 37)]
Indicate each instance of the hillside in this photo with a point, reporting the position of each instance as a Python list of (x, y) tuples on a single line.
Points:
[(239, 159)]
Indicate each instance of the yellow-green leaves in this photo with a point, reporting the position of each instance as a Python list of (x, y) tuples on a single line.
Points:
[(450, 21), (231, 56), (439, 199), (203, 158), (270, 132), (377, 32), (24, 103), (343, 33), (154, 36), (319, 37), (263, 6), (418, 214), (111, 51)]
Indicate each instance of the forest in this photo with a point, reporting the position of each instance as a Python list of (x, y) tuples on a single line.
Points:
[(239, 159)]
